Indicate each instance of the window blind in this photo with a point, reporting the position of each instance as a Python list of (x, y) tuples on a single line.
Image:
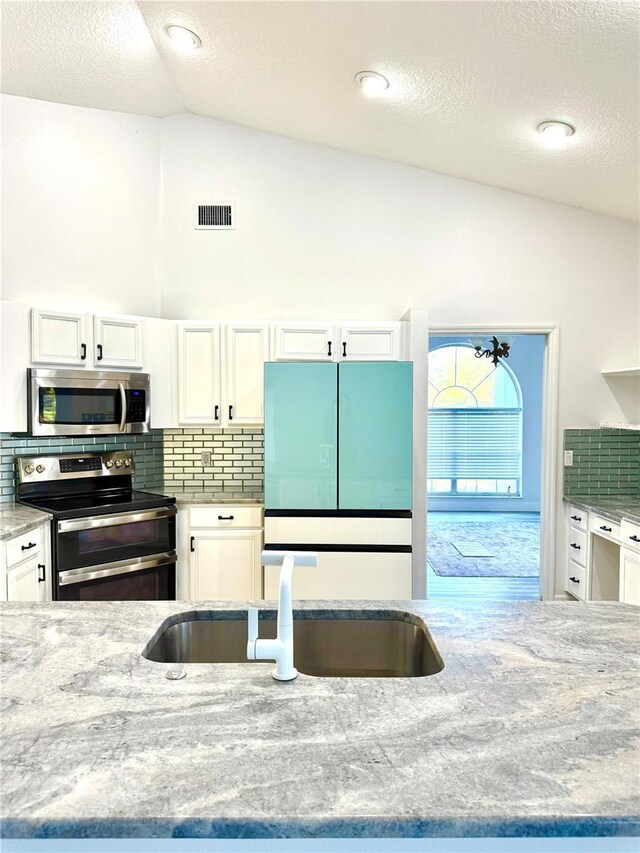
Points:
[(474, 444)]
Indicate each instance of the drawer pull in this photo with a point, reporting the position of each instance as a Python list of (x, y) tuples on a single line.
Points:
[(226, 517), (44, 577), (33, 545), (576, 517), (635, 538), (577, 547), (605, 528), (575, 580), (192, 543)]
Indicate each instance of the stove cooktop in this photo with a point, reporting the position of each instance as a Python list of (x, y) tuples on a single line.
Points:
[(89, 504)]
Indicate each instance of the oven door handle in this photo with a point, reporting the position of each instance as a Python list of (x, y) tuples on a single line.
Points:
[(123, 404), (122, 567), (114, 520)]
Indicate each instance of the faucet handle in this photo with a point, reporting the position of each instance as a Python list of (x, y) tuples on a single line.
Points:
[(253, 624)]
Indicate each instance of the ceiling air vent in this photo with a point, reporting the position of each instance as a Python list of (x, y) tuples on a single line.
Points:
[(215, 216)]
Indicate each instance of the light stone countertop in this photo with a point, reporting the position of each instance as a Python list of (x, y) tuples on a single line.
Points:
[(612, 507), (223, 496), (532, 728), (16, 519)]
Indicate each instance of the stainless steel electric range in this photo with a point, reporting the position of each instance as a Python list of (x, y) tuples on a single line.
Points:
[(108, 541)]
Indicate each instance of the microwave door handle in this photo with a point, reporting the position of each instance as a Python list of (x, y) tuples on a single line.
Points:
[(123, 403)]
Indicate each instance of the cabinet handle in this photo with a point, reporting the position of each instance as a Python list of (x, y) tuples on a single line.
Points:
[(635, 538), (575, 580), (605, 528), (99, 348), (225, 518), (577, 547), (28, 547), (344, 349), (83, 354), (192, 543), (329, 348), (216, 413), (44, 576), (230, 413), (576, 517)]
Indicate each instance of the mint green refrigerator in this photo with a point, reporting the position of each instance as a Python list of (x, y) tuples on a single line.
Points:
[(338, 436)]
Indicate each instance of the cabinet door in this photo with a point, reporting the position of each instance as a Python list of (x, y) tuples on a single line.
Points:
[(27, 582), (58, 337), (369, 342), (226, 565), (304, 342), (118, 341), (199, 398), (375, 430), (247, 349), (629, 576), (300, 435)]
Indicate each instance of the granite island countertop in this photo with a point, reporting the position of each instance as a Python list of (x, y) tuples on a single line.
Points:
[(221, 496), (532, 728), (611, 507), (16, 518)]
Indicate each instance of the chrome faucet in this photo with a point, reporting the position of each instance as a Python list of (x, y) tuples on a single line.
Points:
[(281, 649)]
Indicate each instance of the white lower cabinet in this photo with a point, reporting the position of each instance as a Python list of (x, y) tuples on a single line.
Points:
[(219, 552), (25, 566), (630, 576), (225, 565), (348, 574)]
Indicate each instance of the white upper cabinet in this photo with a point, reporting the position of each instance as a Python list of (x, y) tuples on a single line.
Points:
[(117, 341), (199, 393), (59, 337), (304, 342), (369, 342), (246, 350)]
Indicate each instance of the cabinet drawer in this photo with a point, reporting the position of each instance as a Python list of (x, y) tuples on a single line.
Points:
[(630, 535), (577, 546), (604, 527), (26, 545), (225, 515), (578, 517), (576, 582)]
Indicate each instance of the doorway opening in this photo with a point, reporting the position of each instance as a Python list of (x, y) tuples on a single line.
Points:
[(484, 468)]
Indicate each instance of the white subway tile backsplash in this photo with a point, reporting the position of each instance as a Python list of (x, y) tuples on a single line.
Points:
[(237, 456)]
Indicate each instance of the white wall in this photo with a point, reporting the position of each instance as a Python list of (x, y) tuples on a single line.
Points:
[(526, 360), (80, 207), (325, 233)]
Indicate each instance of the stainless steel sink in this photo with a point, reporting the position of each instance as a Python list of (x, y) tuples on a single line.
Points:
[(373, 644)]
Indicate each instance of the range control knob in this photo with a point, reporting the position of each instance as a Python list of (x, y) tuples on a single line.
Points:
[(109, 463), (118, 463), (127, 462), (29, 469), (40, 469)]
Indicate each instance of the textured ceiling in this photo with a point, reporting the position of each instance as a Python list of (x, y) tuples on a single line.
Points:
[(470, 81)]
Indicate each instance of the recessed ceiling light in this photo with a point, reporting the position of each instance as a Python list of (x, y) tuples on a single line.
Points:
[(555, 133), (183, 38), (371, 82)]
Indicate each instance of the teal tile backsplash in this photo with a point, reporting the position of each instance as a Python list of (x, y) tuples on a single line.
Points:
[(147, 452), (605, 462)]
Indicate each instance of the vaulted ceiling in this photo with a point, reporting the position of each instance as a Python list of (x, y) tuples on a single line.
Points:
[(469, 80)]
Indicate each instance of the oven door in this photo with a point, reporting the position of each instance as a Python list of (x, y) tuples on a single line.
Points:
[(150, 578), (71, 403), (85, 542)]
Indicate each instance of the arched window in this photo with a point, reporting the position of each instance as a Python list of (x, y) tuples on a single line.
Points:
[(475, 425)]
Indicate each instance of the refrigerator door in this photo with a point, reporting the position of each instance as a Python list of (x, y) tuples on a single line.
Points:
[(375, 428), (300, 435)]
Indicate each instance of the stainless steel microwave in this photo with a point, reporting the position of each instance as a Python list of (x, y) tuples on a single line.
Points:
[(79, 402)]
